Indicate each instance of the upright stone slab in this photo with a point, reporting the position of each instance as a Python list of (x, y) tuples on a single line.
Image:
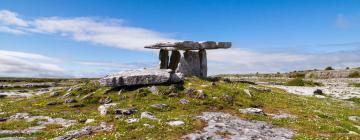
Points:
[(190, 64), (164, 59), (174, 60), (203, 63)]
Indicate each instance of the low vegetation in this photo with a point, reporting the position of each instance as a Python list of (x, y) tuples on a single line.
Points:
[(301, 82), (354, 74), (316, 118)]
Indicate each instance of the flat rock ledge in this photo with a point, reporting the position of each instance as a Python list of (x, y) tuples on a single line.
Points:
[(87, 130), (141, 77), (236, 128)]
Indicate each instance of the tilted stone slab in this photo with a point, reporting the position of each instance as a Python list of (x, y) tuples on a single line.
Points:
[(190, 45), (141, 77)]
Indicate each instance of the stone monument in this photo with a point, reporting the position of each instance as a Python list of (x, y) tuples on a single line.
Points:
[(192, 62)]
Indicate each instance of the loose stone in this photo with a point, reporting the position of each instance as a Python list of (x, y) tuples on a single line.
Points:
[(160, 106), (184, 101), (148, 115), (176, 123), (125, 111), (257, 111)]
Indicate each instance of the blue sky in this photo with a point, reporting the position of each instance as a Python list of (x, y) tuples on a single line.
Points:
[(86, 38)]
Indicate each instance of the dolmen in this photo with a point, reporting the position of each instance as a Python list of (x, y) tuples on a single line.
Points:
[(193, 61), (141, 77), (173, 69)]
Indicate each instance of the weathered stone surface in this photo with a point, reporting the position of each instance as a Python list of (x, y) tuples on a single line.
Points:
[(190, 64), (164, 59), (132, 120), (18, 138), (54, 94), (141, 77), (190, 45), (154, 90), (203, 63), (42, 123), (252, 111), (354, 118), (237, 128), (87, 130), (174, 60), (71, 100)]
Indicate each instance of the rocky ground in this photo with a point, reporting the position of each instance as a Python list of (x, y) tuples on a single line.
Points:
[(197, 109)]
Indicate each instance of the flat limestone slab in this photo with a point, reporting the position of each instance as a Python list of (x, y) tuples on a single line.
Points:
[(141, 77), (190, 45)]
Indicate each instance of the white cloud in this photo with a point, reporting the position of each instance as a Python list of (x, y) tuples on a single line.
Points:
[(108, 32), (13, 63), (11, 18)]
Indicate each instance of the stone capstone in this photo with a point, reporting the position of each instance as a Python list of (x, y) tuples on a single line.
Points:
[(141, 77)]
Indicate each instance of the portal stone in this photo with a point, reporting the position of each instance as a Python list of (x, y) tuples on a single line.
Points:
[(164, 59), (203, 63), (174, 60), (190, 64)]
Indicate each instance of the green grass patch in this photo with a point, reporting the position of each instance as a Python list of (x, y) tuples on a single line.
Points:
[(301, 82)]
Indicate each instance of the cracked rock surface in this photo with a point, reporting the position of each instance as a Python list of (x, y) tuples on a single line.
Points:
[(234, 128)]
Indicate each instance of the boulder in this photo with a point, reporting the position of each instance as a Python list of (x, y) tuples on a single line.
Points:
[(160, 106), (164, 59), (125, 111), (141, 77), (103, 108), (148, 115)]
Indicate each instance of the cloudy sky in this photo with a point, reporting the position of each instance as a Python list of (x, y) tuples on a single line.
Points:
[(90, 38)]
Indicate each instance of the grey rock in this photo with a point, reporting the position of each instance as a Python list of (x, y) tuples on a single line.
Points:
[(87, 130), (354, 118), (318, 92), (189, 91), (176, 123), (238, 128), (106, 100), (173, 94), (283, 116), (125, 111), (184, 101), (54, 94), (104, 108), (3, 119), (203, 63), (200, 94), (141, 77), (148, 115), (227, 98), (154, 90), (70, 100), (68, 95), (159, 106), (132, 120), (190, 45), (149, 126), (257, 111)]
